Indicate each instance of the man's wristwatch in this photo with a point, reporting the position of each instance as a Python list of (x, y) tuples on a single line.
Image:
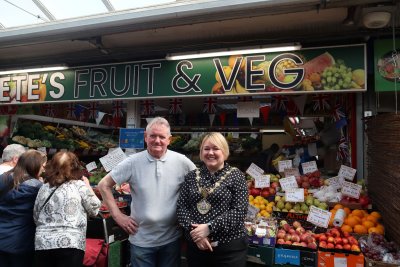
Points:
[(210, 228)]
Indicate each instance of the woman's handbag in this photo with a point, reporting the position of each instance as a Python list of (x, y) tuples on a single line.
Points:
[(96, 254)]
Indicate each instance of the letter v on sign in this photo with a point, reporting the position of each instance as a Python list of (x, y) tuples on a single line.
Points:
[(228, 82)]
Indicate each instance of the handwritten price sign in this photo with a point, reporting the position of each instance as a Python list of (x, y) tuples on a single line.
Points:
[(351, 189), (336, 182), (291, 172), (254, 171), (288, 182), (319, 217), (284, 164), (309, 167), (262, 181), (252, 211), (347, 172), (294, 195)]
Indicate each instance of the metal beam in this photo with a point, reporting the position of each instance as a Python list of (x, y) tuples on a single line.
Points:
[(44, 9)]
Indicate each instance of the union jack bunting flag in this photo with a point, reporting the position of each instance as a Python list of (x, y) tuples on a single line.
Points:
[(71, 111), (209, 105), (338, 112), (49, 110), (343, 149), (321, 102), (93, 110), (117, 109), (175, 106), (8, 110), (147, 107), (279, 102)]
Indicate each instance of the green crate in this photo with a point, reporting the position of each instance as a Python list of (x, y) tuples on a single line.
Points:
[(260, 256)]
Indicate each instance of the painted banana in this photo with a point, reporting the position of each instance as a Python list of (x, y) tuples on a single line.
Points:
[(240, 89)]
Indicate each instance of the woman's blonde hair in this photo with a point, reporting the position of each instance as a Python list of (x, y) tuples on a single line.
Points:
[(218, 140)]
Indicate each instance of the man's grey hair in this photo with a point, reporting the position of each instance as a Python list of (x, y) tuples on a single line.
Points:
[(11, 151), (158, 121)]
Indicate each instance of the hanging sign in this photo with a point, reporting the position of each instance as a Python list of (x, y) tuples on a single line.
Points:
[(305, 71)]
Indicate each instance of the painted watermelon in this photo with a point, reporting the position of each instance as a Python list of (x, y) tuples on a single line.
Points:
[(318, 64)]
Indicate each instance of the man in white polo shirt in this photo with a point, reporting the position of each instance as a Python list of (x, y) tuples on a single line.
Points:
[(155, 176)]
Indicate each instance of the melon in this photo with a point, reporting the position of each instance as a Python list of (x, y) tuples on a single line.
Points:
[(318, 64)]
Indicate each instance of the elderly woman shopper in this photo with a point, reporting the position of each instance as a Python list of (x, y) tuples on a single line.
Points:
[(61, 211), (212, 207)]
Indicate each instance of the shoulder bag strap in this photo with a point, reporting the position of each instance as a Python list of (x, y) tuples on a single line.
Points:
[(48, 198)]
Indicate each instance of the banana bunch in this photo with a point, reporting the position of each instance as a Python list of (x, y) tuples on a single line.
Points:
[(50, 128), (83, 144)]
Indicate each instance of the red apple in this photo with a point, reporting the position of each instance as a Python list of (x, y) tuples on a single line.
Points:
[(255, 192), (338, 246), (280, 241), (295, 238), (296, 244), (304, 236), (296, 224), (303, 244), (322, 244), (300, 230), (330, 246), (287, 227), (330, 240), (272, 191), (355, 248), (281, 234), (274, 185), (288, 242), (323, 237), (312, 245), (265, 192), (292, 231), (345, 241), (347, 247), (338, 240)]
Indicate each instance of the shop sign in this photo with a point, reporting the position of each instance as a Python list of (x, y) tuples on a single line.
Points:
[(387, 65), (339, 69)]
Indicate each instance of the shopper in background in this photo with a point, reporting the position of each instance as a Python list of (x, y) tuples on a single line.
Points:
[(265, 158), (10, 157), (18, 190), (60, 213), (155, 176), (212, 207)]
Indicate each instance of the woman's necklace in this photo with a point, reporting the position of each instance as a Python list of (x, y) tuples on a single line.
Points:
[(203, 206)]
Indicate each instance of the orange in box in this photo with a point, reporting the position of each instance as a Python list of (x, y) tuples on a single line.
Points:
[(332, 259)]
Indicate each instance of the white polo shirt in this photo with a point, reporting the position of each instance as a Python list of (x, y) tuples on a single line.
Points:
[(155, 185)]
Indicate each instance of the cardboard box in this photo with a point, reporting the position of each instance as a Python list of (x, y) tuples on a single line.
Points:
[(372, 263), (261, 241), (332, 259), (260, 255), (292, 257)]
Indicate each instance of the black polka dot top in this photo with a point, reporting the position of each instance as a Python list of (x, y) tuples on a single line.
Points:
[(228, 204)]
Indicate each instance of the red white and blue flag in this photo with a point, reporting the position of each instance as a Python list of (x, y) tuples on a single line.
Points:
[(279, 102), (175, 106), (338, 112), (71, 111), (118, 110), (49, 110), (321, 102), (147, 107), (93, 110), (343, 149), (210, 105)]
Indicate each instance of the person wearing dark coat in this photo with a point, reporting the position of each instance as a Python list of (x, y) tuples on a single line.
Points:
[(265, 158)]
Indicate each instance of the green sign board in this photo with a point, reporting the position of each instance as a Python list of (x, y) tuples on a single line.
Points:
[(305, 71), (387, 65)]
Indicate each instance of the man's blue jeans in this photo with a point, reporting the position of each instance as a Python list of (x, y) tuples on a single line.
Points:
[(168, 255)]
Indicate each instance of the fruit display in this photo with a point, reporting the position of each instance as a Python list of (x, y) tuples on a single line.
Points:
[(336, 239), (262, 228), (266, 191), (295, 235), (299, 207), (310, 180), (377, 248), (36, 134), (328, 194), (359, 221), (265, 207)]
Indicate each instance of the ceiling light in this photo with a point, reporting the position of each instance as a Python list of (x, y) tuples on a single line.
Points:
[(376, 20), (33, 70), (234, 51)]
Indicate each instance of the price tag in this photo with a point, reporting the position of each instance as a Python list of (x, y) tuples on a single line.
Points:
[(262, 181), (319, 217), (294, 195), (112, 159), (52, 151), (336, 182), (288, 182), (42, 149), (261, 231), (339, 262), (291, 172), (351, 189), (253, 135), (254, 171), (310, 166), (347, 172), (252, 211), (91, 166), (284, 164)]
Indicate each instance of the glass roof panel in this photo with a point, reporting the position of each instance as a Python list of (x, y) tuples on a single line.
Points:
[(129, 4), (62, 9), (19, 13)]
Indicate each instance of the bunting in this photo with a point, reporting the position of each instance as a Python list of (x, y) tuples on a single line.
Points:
[(147, 107), (118, 110), (279, 102), (8, 109), (49, 110), (343, 149), (93, 110), (209, 105), (79, 112), (175, 106), (338, 112), (321, 102), (71, 111)]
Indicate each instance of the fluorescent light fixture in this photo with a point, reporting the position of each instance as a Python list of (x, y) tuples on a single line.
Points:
[(234, 51), (272, 130), (33, 70)]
